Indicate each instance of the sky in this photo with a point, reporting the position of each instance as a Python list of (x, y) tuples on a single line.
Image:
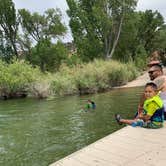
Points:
[(159, 5), (42, 5)]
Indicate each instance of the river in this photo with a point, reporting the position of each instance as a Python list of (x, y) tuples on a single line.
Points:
[(38, 132)]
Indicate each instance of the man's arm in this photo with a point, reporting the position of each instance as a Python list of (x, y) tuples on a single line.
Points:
[(160, 82), (144, 117), (141, 103), (152, 107)]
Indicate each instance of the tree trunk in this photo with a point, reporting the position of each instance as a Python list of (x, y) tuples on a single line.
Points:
[(116, 39), (107, 43)]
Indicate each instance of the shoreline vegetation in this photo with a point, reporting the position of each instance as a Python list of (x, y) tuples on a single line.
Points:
[(50, 66), (20, 79)]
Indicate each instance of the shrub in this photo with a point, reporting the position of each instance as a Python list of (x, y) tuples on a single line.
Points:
[(92, 77), (63, 82), (16, 77)]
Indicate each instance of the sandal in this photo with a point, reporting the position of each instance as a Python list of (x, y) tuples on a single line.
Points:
[(118, 118)]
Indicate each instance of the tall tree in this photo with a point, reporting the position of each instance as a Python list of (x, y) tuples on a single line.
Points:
[(143, 32), (44, 31), (128, 43), (48, 56), (159, 41), (46, 26), (96, 25), (149, 27), (9, 24)]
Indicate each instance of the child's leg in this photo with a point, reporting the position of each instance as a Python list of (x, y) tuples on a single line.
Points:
[(132, 122), (120, 120), (151, 125), (128, 121)]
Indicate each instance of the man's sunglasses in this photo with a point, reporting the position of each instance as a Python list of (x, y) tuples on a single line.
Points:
[(151, 72)]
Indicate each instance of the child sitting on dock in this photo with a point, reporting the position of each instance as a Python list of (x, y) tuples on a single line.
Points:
[(153, 113)]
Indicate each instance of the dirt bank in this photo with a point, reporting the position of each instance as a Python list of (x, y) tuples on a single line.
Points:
[(139, 81)]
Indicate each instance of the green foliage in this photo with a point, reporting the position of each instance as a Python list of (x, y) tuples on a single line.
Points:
[(149, 26), (84, 78), (92, 77), (142, 33), (6, 52), (63, 82), (47, 26), (95, 25), (8, 29), (63, 85), (72, 60), (132, 71), (16, 76), (44, 29), (100, 29), (141, 57), (160, 44), (127, 45), (47, 55), (88, 49)]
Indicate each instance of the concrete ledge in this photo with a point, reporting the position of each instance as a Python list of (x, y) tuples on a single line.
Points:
[(126, 147)]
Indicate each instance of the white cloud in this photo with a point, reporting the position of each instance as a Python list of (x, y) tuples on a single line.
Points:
[(159, 5), (42, 5)]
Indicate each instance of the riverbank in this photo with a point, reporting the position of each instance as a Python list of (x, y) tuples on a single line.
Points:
[(140, 80), (84, 78)]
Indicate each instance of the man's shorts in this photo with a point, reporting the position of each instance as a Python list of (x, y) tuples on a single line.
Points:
[(143, 124)]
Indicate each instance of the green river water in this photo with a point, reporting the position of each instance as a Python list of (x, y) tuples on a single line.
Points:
[(39, 132)]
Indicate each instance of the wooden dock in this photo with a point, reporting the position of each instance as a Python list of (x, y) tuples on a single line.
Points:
[(126, 147)]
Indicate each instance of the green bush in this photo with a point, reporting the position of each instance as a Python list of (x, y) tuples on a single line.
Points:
[(63, 85), (92, 77), (16, 76), (85, 79), (79, 79), (63, 82)]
